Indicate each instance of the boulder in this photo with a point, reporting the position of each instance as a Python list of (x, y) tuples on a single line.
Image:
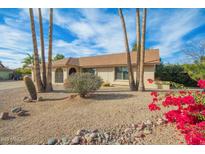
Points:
[(52, 141), (21, 113), (4, 115), (65, 140), (75, 140), (27, 99), (16, 109)]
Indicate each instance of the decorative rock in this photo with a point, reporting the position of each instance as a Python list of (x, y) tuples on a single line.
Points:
[(75, 140), (148, 123), (139, 134), (21, 113), (160, 121), (95, 130), (52, 141), (65, 140), (93, 135), (127, 130), (40, 99), (134, 126), (80, 132), (141, 126), (147, 131), (4, 115), (27, 99), (16, 109)]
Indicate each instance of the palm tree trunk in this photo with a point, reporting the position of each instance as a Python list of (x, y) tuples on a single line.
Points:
[(129, 64), (142, 52), (42, 49), (138, 46), (49, 72), (36, 57)]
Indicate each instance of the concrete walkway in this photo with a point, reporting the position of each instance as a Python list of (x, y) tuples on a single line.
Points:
[(10, 84)]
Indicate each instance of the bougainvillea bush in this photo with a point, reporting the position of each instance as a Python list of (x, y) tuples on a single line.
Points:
[(186, 110)]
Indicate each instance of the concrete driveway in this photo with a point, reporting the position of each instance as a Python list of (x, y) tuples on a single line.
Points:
[(11, 84)]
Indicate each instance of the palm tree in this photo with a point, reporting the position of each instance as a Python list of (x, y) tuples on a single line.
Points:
[(42, 49), (129, 64), (28, 60), (142, 52), (138, 46), (49, 72), (36, 57)]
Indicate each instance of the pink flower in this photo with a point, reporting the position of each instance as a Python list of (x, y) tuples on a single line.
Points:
[(187, 116), (153, 107), (154, 94), (201, 84), (150, 81)]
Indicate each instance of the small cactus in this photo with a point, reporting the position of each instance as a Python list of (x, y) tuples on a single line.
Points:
[(30, 87)]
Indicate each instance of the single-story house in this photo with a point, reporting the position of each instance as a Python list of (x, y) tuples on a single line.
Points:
[(5, 73), (112, 68)]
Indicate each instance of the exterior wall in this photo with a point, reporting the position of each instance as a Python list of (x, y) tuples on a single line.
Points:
[(108, 75), (5, 75)]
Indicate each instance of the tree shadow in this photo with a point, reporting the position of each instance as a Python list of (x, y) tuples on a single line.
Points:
[(54, 99), (124, 90), (60, 91), (110, 96)]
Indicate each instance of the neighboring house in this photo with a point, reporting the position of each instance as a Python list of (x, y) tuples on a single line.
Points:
[(5, 73), (111, 68)]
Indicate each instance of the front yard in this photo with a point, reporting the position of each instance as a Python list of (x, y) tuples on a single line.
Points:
[(109, 109)]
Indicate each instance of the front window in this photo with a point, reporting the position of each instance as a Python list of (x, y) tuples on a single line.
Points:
[(89, 70), (121, 73)]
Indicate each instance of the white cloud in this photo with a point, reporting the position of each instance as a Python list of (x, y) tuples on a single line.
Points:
[(96, 31), (169, 28)]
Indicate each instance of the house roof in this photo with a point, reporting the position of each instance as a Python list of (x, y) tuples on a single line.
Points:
[(151, 57), (3, 68)]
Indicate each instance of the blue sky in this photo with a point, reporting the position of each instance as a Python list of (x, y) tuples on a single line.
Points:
[(85, 32)]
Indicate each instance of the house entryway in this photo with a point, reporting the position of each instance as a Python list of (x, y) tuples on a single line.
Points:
[(72, 71), (59, 75)]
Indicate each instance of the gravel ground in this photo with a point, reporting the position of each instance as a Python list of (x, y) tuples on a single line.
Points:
[(58, 116)]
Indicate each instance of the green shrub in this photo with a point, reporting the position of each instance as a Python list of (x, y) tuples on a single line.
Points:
[(175, 85), (174, 73), (84, 83)]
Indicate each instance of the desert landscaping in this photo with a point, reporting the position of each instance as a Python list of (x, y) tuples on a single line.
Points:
[(113, 114)]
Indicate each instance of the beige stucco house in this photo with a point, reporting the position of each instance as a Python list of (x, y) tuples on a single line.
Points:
[(111, 68)]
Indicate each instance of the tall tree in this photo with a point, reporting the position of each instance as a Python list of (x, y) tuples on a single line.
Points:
[(42, 49), (58, 57), (138, 46), (142, 51), (129, 64), (28, 60), (36, 57), (49, 86)]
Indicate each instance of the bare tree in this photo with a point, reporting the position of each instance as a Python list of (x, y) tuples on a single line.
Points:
[(129, 64), (195, 51), (42, 49), (36, 57), (138, 46), (142, 51), (49, 86)]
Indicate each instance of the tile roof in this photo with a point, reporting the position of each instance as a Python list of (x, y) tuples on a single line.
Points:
[(151, 57)]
